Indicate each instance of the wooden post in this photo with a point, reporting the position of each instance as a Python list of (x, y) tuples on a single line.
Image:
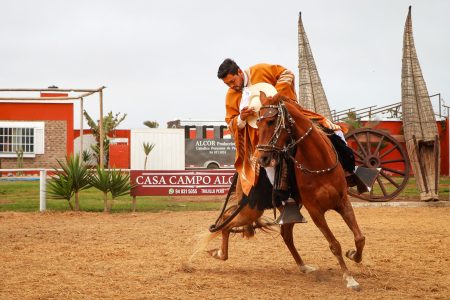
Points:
[(422, 167), (100, 124), (42, 190), (134, 204), (437, 153), (81, 128)]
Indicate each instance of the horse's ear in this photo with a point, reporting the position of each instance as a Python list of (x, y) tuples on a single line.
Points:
[(262, 96)]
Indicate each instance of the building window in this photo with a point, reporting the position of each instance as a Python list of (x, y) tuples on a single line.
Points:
[(190, 132), (208, 132), (13, 140), (225, 132), (25, 136)]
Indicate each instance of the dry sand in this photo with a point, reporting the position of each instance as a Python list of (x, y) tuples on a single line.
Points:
[(144, 256)]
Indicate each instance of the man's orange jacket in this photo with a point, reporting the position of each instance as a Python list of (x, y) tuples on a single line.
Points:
[(246, 138)]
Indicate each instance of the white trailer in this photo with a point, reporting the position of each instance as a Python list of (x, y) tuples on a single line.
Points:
[(168, 153)]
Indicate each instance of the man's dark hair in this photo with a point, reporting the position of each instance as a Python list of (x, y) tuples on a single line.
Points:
[(227, 67)]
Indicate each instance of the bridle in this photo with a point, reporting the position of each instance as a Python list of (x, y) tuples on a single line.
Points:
[(285, 121)]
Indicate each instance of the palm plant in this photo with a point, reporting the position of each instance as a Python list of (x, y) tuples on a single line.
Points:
[(120, 183), (19, 152), (352, 121), (147, 149), (112, 181), (73, 178), (75, 173), (86, 156), (102, 181), (151, 124), (96, 151), (110, 123)]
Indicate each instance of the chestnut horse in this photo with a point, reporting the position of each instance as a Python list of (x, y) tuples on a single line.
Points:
[(320, 178), (319, 192)]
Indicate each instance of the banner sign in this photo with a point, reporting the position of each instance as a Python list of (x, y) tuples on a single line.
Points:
[(181, 183), (201, 152)]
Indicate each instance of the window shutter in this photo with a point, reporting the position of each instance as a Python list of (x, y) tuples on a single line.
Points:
[(39, 138)]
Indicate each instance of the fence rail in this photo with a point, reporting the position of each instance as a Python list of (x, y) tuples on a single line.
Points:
[(42, 182), (394, 110)]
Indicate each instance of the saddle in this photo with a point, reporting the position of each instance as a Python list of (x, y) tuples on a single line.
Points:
[(356, 176), (361, 177)]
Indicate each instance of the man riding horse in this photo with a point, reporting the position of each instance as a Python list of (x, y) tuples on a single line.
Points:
[(239, 114)]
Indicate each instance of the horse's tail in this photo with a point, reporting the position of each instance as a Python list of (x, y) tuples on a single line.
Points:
[(248, 231), (203, 241), (264, 224)]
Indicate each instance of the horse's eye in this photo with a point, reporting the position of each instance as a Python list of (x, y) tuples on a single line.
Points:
[(270, 122)]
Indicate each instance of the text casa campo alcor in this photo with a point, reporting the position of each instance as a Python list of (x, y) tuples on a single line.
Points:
[(204, 182), (183, 180)]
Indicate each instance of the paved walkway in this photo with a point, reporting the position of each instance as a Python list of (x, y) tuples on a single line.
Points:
[(402, 204)]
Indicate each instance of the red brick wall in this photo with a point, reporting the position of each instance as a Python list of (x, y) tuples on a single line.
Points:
[(55, 148), (59, 133)]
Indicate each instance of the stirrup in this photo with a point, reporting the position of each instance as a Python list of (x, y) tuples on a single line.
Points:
[(291, 213), (365, 178)]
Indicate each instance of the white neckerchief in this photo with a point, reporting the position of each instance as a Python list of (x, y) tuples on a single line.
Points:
[(245, 98), (245, 79)]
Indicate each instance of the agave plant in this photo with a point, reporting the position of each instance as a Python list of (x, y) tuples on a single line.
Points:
[(75, 174), (60, 187)]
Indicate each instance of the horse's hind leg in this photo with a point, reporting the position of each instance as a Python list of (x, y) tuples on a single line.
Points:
[(288, 237), (347, 213), (335, 247)]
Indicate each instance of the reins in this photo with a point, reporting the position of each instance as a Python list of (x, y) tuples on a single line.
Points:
[(305, 169), (216, 227), (282, 115)]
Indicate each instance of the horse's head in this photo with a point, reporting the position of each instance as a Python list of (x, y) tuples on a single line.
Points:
[(271, 130)]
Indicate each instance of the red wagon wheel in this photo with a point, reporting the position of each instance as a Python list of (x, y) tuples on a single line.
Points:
[(377, 149)]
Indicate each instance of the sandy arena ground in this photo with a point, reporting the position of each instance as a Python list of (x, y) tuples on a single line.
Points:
[(144, 256)]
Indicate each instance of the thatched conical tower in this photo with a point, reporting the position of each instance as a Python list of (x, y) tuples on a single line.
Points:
[(311, 93), (419, 123)]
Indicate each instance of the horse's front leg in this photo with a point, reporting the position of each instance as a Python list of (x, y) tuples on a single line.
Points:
[(287, 232), (222, 252), (348, 215), (335, 247), (246, 217)]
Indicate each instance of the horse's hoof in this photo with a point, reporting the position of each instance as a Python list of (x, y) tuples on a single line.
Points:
[(216, 253), (305, 269), (351, 254), (352, 284)]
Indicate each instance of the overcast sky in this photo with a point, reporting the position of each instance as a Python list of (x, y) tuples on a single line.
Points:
[(159, 59)]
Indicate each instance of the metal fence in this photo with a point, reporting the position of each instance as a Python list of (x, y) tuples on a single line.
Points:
[(392, 111)]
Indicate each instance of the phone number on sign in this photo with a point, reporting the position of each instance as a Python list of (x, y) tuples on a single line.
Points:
[(173, 191), (183, 191)]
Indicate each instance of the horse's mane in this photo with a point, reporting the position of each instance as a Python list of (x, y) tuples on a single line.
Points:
[(319, 129), (278, 98)]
